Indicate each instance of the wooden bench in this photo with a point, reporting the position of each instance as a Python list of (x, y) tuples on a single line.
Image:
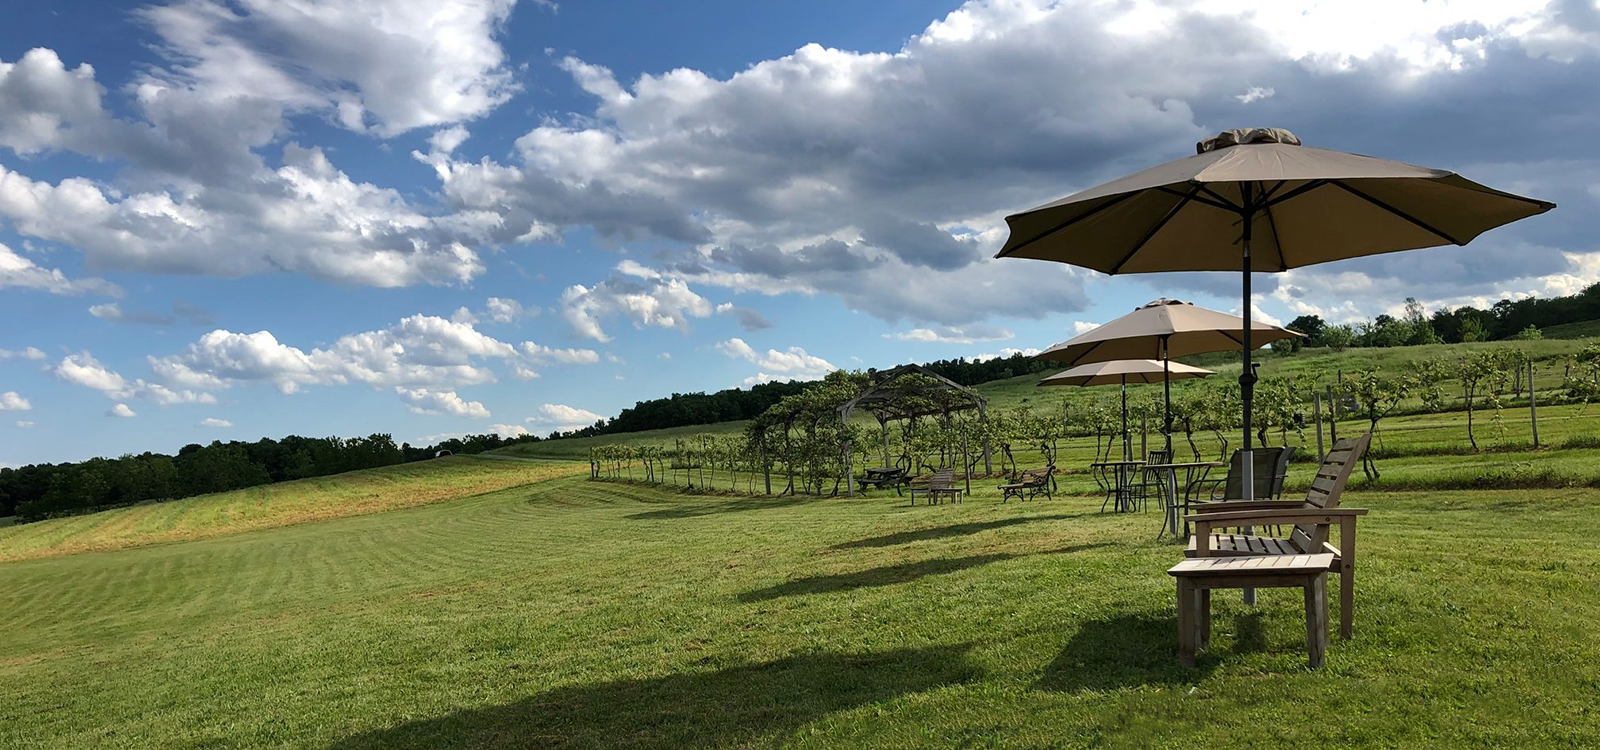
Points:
[(1312, 517), (880, 478), (1028, 485), (1198, 576), (941, 482)]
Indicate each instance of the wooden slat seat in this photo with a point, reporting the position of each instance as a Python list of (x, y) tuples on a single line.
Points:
[(1312, 518), (1198, 576)]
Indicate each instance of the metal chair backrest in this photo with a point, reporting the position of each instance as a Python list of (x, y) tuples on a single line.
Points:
[(1264, 468)]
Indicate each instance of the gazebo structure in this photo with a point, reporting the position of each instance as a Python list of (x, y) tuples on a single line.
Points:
[(908, 392)]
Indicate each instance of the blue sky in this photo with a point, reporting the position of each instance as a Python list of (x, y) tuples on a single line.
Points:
[(232, 220)]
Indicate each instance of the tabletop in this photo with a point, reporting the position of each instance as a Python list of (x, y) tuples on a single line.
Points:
[(1117, 463), (1188, 465)]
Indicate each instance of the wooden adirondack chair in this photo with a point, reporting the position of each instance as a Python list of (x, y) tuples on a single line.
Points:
[(941, 482), (1312, 518)]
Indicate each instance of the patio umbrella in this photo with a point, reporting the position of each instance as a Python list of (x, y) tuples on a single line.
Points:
[(1124, 372), (1257, 200), (1161, 330)]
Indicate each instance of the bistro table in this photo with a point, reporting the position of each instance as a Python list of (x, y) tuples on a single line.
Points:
[(1121, 482), (1194, 473)]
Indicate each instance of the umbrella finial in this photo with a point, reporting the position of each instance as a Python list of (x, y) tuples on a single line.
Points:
[(1245, 136)]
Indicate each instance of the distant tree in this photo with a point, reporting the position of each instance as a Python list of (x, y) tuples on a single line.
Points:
[(1310, 325), (1472, 329), (1531, 333), (1338, 337)]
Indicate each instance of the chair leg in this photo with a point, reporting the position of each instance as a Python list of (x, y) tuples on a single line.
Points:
[(1317, 618), (1186, 623), (1347, 602), (1204, 611)]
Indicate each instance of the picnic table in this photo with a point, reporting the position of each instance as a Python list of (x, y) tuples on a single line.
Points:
[(1119, 487), (884, 477), (1194, 473)]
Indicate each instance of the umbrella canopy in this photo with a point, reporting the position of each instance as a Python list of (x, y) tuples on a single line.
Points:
[(1298, 205), (1306, 205), (1122, 372), (1161, 329)]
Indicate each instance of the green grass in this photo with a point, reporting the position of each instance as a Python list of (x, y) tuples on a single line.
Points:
[(575, 614), (268, 506), (1578, 330)]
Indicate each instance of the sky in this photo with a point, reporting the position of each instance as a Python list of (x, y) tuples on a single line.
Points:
[(230, 220)]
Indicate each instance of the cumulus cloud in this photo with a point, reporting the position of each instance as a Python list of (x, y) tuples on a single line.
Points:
[(180, 312), (22, 273), (11, 401), (946, 335), (792, 364), (214, 422), (84, 370), (563, 418), (23, 424), (121, 410), (418, 351), (424, 401), (32, 353), (749, 320), (501, 310), (651, 301), (508, 430)]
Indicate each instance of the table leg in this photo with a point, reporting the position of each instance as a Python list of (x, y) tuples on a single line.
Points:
[(1204, 596)]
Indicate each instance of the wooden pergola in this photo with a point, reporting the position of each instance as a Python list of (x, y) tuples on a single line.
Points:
[(908, 392)]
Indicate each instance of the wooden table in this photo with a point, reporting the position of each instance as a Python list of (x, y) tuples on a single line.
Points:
[(881, 477), (1121, 486), (1198, 576), (1194, 473)]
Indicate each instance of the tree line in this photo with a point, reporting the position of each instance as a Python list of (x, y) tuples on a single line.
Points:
[(1505, 320), (39, 491)]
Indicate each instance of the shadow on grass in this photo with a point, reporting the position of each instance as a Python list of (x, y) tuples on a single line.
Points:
[(739, 706), (942, 532), (1127, 650), (893, 574), (713, 507)]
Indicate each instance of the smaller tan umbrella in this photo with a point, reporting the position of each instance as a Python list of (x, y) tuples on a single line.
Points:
[(1124, 372), (1161, 329)]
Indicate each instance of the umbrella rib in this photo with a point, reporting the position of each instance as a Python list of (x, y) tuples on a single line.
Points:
[(1302, 190), (1277, 243), (1067, 223), (1198, 199), (1154, 230), (1222, 202), (1397, 212)]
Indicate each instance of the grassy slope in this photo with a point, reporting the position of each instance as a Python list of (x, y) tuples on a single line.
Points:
[(571, 614), (348, 494), (1578, 330)]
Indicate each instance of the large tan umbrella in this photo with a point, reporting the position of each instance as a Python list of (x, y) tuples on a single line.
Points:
[(1123, 372), (1257, 200)]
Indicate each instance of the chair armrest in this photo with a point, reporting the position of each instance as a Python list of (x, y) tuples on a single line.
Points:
[(1275, 517), (1227, 506)]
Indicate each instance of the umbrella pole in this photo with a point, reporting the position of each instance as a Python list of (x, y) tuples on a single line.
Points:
[(1247, 378), (1166, 384), (1127, 455)]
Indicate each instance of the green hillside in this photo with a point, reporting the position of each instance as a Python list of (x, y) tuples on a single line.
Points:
[(1578, 330)]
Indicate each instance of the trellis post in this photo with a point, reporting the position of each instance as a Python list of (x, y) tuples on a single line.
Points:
[(1533, 408), (1316, 409)]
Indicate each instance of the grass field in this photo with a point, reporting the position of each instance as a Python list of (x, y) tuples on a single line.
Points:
[(1578, 330), (576, 614), (272, 505)]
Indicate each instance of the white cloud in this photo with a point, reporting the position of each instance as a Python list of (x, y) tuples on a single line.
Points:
[(1255, 94), (665, 356), (508, 430), (11, 401), (86, 371), (539, 353), (214, 422), (563, 418), (501, 310), (32, 353), (19, 272), (424, 401), (659, 302), (1006, 352), (793, 364), (953, 335), (420, 350), (24, 424), (1080, 327), (121, 410)]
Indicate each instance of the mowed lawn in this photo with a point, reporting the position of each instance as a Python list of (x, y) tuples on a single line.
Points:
[(274, 505), (576, 614)]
